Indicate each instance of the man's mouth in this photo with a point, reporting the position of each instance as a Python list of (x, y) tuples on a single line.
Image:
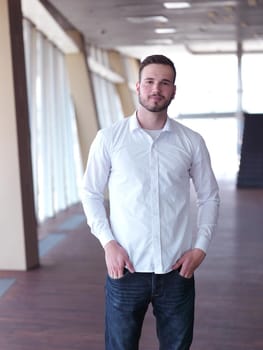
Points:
[(156, 97)]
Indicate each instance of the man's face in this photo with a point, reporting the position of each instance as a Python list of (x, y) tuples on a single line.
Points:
[(156, 89)]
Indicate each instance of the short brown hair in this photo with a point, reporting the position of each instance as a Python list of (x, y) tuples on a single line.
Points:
[(157, 59)]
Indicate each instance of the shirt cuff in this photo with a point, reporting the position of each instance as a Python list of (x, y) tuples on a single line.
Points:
[(202, 242), (105, 238)]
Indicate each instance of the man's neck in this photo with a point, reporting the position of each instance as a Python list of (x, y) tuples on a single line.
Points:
[(151, 120)]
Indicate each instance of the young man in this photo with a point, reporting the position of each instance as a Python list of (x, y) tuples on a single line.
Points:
[(147, 161)]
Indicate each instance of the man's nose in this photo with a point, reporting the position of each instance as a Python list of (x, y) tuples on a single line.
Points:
[(156, 87)]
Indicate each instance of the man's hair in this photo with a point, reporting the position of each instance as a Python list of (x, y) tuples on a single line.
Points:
[(156, 59)]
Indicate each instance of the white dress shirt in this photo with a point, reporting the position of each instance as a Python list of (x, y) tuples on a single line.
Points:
[(149, 192)]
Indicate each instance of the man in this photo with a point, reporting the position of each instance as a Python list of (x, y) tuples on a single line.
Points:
[(147, 161)]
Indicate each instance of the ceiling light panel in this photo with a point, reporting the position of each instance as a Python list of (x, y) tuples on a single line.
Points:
[(146, 19), (165, 30), (176, 5), (159, 42)]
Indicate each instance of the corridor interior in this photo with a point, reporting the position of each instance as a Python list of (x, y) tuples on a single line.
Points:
[(60, 305)]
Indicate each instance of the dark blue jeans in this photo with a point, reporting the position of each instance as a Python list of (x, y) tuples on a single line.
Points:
[(127, 300)]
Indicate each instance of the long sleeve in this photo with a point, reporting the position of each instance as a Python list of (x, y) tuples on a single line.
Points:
[(207, 197), (149, 186), (94, 184)]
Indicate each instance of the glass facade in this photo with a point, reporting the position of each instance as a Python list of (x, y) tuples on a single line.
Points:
[(54, 143)]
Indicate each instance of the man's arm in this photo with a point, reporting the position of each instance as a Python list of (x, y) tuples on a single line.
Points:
[(94, 183), (208, 206), (93, 189), (207, 193)]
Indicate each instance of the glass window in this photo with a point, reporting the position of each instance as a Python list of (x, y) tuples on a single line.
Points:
[(54, 143), (107, 99), (205, 84), (252, 76)]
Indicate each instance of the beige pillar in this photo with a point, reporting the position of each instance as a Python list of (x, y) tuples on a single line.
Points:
[(125, 94), (18, 234), (85, 107)]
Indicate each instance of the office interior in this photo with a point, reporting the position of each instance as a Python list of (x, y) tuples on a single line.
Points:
[(69, 68)]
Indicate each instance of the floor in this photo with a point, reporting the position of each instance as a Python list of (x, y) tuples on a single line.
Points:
[(61, 304)]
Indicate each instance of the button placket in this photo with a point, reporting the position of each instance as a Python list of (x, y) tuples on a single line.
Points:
[(155, 207)]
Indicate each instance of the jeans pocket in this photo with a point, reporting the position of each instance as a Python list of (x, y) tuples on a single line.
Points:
[(186, 279), (125, 274)]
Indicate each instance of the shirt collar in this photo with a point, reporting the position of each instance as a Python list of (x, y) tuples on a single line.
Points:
[(134, 124)]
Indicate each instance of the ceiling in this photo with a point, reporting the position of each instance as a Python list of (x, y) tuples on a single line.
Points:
[(205, 26)]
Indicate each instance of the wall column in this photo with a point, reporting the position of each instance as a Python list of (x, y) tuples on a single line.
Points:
[(85, 107), (116, 64), (18, 235)]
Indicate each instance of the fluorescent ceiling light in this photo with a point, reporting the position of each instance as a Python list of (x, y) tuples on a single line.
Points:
[(184, 4), (165, 30), (159, 42), (158, 19), (176, 5), (221, 3)]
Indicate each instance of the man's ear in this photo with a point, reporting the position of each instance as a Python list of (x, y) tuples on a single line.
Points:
[(174, 91), (137, 87)]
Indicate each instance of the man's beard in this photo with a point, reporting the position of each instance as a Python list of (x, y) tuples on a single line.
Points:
[(155, 107)]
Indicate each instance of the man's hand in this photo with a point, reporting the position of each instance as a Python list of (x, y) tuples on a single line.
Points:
[(189, 262), (116, 260)]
